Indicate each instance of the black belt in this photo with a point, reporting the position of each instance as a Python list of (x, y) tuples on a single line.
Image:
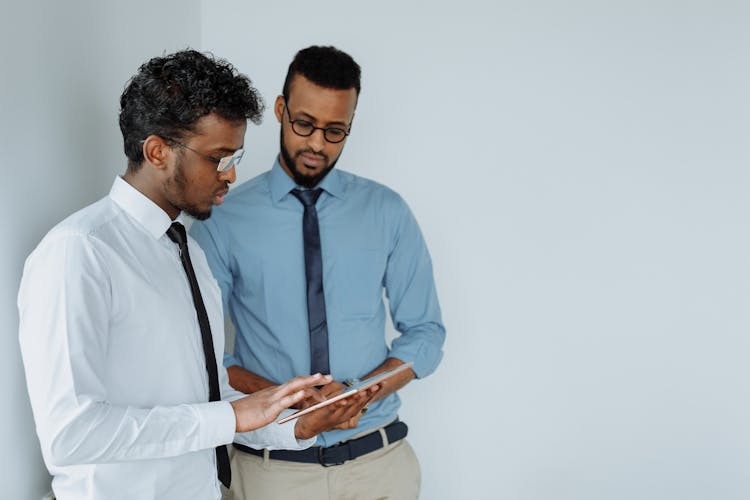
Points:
[(338, 453)]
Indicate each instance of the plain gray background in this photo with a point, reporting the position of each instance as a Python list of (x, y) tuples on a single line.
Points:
[(579, 170)]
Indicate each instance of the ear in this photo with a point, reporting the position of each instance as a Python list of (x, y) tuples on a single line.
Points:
[(278, 108), (156, 151)]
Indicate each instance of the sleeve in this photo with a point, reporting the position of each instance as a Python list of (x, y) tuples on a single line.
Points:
[(205, 233), (410, 288), (65, 305)]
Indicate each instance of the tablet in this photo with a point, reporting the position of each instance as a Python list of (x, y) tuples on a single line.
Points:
[(350, 391)]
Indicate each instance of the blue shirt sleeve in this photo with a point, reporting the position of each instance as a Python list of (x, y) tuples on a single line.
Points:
[(205, 233), (410, 288)]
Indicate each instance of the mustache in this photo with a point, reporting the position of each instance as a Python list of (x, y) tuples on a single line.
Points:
[(312, 153), (224, 188)]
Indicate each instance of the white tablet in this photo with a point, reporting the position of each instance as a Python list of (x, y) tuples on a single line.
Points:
[(350, 391)]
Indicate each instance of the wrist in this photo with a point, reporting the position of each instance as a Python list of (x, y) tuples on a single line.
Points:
[(301, 431), (236, 417)]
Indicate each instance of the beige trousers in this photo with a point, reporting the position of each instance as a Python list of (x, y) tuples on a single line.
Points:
[(390, 473)]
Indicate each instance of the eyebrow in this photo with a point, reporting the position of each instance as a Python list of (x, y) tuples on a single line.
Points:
[(313, 119)]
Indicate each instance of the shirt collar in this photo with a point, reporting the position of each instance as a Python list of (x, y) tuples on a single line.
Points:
[(281, 184), (141, 208)]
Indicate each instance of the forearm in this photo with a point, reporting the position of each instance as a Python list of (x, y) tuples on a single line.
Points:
[(102, 433), (247, 381), (394, 383)]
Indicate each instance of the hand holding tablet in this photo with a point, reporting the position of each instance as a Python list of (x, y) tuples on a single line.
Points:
[(355, 388)]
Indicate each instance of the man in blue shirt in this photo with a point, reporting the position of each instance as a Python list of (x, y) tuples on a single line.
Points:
[(302, 254)]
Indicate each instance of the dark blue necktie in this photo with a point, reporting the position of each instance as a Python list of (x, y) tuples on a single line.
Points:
[(316, 301), (176, 233)]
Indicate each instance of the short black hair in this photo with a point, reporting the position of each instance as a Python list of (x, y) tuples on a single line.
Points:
[(169, 94), (327, 67)]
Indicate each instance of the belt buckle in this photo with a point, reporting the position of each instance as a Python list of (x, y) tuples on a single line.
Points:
[(321, 457)]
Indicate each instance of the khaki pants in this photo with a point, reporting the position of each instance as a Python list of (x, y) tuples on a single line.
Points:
[(390, 473)]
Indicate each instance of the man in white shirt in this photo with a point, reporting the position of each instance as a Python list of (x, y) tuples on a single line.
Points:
[(116, 311)]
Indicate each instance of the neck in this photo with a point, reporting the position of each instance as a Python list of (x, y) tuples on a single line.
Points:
[(143, 181)]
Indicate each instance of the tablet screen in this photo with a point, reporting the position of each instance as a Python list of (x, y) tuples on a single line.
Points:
[(350, 391)]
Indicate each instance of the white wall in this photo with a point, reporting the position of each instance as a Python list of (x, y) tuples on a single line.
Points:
[(580, 172), (64, 66)]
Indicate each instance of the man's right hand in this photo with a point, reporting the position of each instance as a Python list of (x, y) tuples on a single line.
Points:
[(343, 414), (264, 406)]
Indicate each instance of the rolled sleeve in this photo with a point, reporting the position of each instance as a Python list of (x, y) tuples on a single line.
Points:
[(412, 296), (230, 360), (422, 348)]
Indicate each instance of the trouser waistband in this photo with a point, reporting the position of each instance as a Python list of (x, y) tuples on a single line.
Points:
[(339, 453)]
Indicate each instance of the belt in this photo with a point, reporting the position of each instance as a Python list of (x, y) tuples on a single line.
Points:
[(338, 453)]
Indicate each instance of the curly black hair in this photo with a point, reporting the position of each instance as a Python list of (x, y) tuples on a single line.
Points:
[(170, 94), (327, 67)]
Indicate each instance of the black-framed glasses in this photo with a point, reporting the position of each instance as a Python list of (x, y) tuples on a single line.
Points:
[(304, 128), (222, 164)]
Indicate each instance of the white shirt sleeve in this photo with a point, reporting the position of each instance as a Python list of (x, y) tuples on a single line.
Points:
[(65, 306)]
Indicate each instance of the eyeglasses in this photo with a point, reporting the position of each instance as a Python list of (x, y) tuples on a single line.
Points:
[(223, 164), (303, 128)]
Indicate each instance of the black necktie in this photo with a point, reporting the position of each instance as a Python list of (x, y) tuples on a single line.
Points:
[(316, 301), (176, 233)]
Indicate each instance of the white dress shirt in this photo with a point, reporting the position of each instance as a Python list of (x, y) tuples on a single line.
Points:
[(114, 360)]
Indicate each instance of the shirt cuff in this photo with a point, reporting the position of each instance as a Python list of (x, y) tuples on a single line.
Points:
[(217, 423), (287, 430)]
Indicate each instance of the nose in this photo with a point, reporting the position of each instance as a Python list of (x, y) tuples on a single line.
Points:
[(229, 175), (317, 140)]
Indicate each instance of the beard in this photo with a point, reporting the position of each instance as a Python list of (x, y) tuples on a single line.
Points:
[(300, 178), (178, 185)]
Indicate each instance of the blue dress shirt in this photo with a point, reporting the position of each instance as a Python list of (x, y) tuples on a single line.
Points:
[(370, 242)]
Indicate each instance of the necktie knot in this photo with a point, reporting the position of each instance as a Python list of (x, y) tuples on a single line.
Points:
[(308, 197), (176, 233)]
